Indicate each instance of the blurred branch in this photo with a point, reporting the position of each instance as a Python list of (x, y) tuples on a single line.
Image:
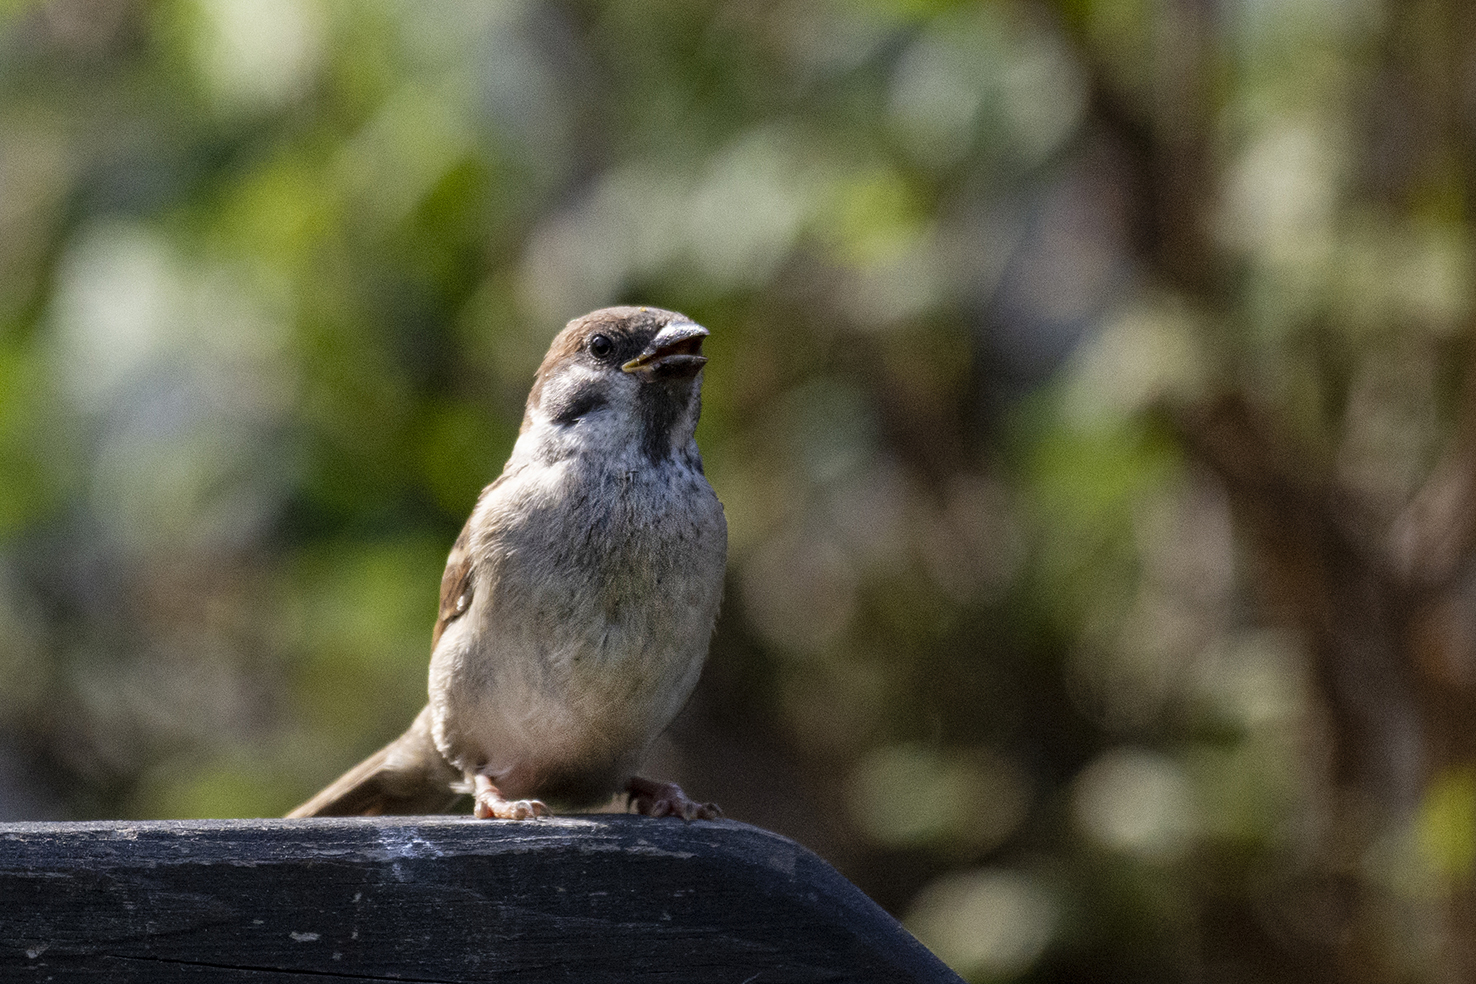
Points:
[(1167, 145), (1318, 575), (1383, 615)]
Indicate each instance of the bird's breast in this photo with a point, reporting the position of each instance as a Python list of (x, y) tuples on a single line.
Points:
[(591, 618)]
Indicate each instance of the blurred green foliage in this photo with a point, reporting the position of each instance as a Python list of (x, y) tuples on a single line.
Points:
[(1089, 398)]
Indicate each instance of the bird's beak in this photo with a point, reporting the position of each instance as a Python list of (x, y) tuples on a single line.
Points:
[(675, 352)]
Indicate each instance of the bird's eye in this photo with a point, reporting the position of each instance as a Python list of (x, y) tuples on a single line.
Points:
[(601, 346)]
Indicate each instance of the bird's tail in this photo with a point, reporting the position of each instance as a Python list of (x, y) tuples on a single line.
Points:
[(407, 776)]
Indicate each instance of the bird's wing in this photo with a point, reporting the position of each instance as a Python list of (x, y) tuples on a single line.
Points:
[(407, 776), (457, 581)]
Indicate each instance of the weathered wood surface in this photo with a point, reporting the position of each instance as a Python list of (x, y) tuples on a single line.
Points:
[(589, 899)]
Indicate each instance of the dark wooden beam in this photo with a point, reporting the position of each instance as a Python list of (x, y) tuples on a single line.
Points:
[(587, 899)]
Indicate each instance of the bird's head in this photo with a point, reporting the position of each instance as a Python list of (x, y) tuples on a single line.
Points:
[(619, 377)]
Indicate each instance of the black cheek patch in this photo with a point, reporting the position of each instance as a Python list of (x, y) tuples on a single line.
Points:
[(580, 403)]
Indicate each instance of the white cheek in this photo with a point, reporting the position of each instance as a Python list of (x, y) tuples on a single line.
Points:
[(607, 428), (563, 387)]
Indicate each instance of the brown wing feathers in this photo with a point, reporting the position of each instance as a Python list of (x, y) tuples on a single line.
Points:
[(456, 585)]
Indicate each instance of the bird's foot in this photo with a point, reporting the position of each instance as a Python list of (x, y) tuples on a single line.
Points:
[(666, 799), (489, 803)]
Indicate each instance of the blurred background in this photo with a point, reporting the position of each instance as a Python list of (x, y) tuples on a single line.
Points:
[(1091, 397)]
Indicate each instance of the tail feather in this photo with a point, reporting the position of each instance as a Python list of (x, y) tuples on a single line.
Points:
[(407, 776)]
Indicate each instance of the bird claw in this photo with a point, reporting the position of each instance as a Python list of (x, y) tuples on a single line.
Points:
[(489, 804), (666, 799), (502, 809)]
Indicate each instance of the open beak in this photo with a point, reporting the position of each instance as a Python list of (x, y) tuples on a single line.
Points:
[(675, 352)]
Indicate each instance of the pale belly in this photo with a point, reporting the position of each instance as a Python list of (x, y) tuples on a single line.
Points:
[(563, 720)]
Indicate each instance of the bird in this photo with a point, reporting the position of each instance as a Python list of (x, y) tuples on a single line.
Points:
[(579, 601)]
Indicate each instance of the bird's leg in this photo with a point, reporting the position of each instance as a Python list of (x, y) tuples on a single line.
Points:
[(666, 799), (490, 803)]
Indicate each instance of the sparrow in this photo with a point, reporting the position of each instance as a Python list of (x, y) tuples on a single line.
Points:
[(579, 600)]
